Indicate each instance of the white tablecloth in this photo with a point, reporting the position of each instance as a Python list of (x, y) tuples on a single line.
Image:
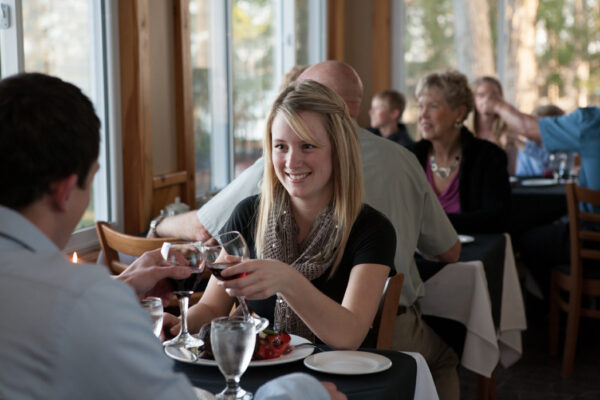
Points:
[(424, 385), (459, 291)]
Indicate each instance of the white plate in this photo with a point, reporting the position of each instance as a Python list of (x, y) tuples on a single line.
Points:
[(348, 362), (294, 355), (464, 239), (538, 182)]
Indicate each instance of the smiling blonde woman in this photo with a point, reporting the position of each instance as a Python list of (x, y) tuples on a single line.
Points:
[(321, 253)]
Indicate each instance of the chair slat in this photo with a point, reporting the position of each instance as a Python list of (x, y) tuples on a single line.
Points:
[(589, 254), (590, 217)]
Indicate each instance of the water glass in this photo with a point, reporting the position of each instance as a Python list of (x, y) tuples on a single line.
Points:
[(559, 163), (155, 308), (232, 340)]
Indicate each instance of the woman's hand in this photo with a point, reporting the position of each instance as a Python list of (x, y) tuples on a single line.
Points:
[(260, 278)]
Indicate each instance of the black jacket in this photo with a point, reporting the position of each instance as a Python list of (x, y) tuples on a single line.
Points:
[(484, 188), (401, 136)]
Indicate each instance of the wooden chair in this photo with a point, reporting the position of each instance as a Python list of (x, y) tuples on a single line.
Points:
[(113, 242), (579, 279), (384, 321)]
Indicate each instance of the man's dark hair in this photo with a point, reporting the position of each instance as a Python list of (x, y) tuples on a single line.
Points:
[(48, 131), (394, 99)]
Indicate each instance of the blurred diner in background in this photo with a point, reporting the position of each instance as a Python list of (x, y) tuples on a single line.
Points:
[(468, 174)]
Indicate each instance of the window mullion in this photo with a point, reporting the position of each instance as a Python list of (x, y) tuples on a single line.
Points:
[(11, 40), (221, 143), (317, 26)]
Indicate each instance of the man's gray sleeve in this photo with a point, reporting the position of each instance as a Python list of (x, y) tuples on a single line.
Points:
[(217, 211)]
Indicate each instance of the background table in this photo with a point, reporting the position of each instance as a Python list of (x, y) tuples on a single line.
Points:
[(408, 378), (483, 293), (533, 206)]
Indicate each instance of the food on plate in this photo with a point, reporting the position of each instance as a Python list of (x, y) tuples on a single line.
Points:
[(271, 345), (268, 345)]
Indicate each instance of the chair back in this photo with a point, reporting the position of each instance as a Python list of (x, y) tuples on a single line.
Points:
[(113, 242), (581, 279), (585, 242), (383, 324)]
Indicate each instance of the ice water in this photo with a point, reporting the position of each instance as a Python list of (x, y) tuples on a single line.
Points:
[(157, 321), (153, 305), (232, 344)]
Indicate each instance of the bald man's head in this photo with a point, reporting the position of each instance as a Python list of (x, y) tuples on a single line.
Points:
[(341, 78)]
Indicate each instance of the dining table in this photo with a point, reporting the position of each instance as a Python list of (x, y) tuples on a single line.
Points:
[(535, 201), (407, 378), (482, 293)]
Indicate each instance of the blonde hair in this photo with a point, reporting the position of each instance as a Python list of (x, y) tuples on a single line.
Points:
[(454, 86), (311, 96)]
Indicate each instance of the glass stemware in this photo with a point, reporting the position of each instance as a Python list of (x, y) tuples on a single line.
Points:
[(232, 340), (155, 308), (226, 250), (184, 288)]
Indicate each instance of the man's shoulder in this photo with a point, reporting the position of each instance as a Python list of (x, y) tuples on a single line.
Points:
[(385, 149)]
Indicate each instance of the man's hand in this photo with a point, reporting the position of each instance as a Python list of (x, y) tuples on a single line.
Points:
[(185, 226), (333, 392), (147, 275)]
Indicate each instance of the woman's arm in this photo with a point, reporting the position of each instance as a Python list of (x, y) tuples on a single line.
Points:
[(342, 326)]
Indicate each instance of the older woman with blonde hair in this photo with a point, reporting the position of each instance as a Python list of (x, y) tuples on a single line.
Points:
[(317, 246), (468, 174)]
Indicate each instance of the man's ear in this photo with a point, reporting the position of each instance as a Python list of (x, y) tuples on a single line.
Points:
[(396, 114), (60, 191)]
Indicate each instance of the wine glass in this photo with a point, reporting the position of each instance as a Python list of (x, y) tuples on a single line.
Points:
[(226, 250), (155, 308), (183, 288), (232, 340)]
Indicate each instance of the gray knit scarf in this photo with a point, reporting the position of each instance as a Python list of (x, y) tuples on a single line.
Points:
[(311, 258)]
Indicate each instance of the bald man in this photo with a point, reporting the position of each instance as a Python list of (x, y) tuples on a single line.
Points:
[(396, 186)]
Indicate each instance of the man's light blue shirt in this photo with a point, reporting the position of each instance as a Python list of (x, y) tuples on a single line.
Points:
[(577, 132)]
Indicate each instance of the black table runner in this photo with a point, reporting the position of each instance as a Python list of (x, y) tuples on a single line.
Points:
[(533, 206), (396, 383)]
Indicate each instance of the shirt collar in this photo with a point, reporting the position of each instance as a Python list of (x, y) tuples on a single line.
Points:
[(16, 226)]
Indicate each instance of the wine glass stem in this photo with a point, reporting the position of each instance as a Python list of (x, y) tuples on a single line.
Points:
[(244, 305), (233, 384), (183, 310)]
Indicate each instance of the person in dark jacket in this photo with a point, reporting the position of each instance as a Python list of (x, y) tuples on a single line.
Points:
[(385, 113), (468, 174)]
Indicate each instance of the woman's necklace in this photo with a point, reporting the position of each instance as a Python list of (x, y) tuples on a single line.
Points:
[(441, 171)]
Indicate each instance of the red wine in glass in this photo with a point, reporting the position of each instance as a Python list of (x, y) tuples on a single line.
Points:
[(217, 268), (189, 285)]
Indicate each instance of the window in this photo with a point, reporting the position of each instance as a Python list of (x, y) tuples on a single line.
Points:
[(235, 80), (71, 40), (545, 51)]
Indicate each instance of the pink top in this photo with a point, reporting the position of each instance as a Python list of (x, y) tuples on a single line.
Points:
[(449, 199)]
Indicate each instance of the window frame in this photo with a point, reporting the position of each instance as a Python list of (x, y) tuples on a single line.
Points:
[(108, 197), (222, 152)]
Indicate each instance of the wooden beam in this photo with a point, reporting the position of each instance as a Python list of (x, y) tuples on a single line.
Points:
[(135, 113), (184, 101), (336, 26), (174, 178), (380, 47)]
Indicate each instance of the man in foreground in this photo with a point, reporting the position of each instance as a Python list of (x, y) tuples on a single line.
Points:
[(70, 331)]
